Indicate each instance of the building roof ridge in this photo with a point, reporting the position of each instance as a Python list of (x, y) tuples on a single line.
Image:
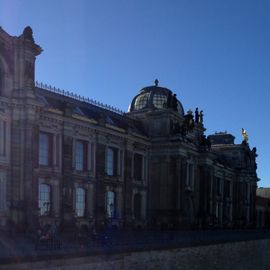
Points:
[(78, 97)]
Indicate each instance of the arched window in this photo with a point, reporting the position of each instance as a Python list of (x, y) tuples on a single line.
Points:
[(138, 206), (141, 101), (44, 199), (110, 204), (80, 202)]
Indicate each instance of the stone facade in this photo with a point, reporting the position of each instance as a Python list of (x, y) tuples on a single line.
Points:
[(71, 161)]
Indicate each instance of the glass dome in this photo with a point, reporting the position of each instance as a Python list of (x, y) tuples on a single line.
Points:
[(141, 101), (159, 100), (155, 97)]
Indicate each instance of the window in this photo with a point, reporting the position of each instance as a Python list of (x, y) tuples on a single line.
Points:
[(160, 101), (80, 202), (3, 129), (228, 212), (2, 194), (189, 179), (1, 79), (141, 101), (44, 149), (110, 204), (247, 190), (228, 188), (137, 206), (44, 199), (218, 209), (218, 183), (80, 156), (138, 167), (112, 161)]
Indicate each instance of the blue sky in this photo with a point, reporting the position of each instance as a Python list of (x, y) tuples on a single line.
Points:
[(213, 54)]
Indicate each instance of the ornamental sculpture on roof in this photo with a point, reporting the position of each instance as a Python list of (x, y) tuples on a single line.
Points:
[(244, 135)]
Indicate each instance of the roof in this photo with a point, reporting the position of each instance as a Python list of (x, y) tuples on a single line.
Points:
[(71, 104)]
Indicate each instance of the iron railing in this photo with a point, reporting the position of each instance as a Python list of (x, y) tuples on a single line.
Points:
[(78, 97)]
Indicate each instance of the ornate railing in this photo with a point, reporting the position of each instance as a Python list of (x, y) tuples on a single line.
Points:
[(78, 97)]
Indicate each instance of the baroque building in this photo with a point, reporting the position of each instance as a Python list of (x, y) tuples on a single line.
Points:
[(75, 162)]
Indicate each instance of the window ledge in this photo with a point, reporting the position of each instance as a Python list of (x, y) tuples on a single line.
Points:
[(48, 168), (81, 171), (113, 177)]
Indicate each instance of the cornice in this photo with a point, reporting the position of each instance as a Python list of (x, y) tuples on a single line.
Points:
[(50, 119), (85, 119), (6, 37)]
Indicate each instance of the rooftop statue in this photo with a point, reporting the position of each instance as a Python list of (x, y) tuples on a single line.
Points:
[(197, 115), (201, 117), (244, 135), (28, 33)]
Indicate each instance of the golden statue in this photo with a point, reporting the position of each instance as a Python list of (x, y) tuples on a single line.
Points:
[(244, 135)]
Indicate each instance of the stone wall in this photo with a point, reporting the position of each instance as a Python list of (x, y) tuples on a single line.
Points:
[(249, 255)]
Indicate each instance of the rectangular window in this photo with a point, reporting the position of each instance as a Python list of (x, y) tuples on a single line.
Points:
[(80, 202), (217, 210), (228, 212), (44, 149), (218, 183), (57, 150), (189, 177), (81, 155), (44, 199), (1, 71), (227, 189), (112, 164), (2, 194), (247, 192), (110, 204), (110, 161), (138, 167), (4, 135), (137, 206), (3, 142)]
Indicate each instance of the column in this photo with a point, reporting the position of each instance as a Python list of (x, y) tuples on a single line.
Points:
[(55, 198), (89, 156), (90, 200), (119, 203)]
